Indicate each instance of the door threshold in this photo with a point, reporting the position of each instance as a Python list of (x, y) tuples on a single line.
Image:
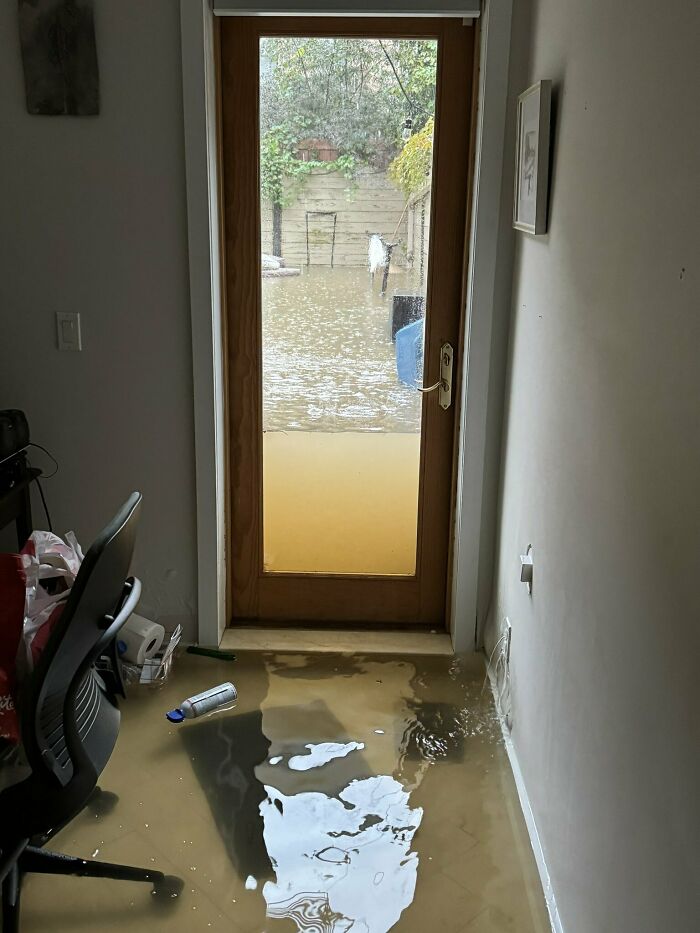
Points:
[(343, 641)]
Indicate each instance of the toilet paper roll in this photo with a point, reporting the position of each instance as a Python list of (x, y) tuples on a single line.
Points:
[(142, 638)]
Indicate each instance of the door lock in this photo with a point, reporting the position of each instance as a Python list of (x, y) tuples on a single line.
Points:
[(444, 384)]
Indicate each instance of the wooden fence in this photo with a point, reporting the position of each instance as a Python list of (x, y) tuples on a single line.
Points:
[(332, 217)]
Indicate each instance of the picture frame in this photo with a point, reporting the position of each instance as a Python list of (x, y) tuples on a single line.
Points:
[(532, 159)]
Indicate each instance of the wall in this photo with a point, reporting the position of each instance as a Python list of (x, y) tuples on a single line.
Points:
[(367, 203), (601, 461), (93, 220)]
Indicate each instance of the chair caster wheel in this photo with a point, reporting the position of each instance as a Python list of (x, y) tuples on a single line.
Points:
[(102, 802), (167, 889)]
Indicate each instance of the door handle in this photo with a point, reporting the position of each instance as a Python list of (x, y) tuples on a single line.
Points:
[(444, 383)]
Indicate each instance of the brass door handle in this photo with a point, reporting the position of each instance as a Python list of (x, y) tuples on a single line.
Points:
[(444, 383)]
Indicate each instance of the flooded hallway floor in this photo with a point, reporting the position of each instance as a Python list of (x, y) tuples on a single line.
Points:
[(343, 792)]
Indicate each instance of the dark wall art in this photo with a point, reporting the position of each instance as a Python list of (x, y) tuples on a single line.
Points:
[(60, 58)]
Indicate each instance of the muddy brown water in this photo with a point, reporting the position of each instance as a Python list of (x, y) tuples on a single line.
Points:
[(343, 792), (328, 359)]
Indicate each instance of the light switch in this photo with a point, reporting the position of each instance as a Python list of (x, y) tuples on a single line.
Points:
[(68, 328)]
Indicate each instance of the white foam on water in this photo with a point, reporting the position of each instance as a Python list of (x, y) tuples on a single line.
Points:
[(322, 753), (329, 852)]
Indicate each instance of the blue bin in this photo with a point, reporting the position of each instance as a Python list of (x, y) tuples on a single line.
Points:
[(409, 354)]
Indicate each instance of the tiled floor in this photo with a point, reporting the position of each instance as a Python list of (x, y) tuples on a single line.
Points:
[(343, 792)]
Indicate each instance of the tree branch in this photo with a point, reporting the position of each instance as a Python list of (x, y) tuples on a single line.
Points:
[(300, 58), (396, 75)]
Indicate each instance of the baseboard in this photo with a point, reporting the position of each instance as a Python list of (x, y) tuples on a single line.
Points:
[(524, 798)]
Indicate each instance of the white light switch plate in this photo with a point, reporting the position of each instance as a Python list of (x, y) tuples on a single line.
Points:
[(68, 329)]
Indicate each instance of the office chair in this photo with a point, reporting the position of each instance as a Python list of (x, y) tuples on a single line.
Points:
[(70, 722)]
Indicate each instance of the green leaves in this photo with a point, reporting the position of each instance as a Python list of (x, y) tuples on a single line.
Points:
[(356, 93), (277, 162), (282, 174), (411, 168)]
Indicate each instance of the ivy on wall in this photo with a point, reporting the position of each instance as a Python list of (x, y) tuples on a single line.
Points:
[(282, 174), (411, 167)]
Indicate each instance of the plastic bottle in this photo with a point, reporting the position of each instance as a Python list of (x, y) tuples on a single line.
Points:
[(205, 702)]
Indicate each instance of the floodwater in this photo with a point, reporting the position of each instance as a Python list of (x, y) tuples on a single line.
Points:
[(343, 792), (328, 358)]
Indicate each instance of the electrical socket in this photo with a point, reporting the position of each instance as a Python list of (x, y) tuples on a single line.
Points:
[(508, 634)]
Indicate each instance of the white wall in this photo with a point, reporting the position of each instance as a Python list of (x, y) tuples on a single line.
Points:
[(93, 219), (601, 465)]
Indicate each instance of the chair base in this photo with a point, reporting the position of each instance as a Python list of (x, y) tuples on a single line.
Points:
[(39, 861)]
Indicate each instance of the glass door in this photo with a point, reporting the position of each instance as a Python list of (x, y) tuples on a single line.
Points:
[(345, 149)]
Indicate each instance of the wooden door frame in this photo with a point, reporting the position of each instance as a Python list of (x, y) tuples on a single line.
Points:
[(323, 598), (490, 252)]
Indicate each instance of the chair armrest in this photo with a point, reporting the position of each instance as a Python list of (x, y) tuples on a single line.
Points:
[(133, 585), (131, 595)]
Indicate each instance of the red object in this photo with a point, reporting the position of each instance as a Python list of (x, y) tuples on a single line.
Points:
[(12, 586), (29, 547), (317, 150)]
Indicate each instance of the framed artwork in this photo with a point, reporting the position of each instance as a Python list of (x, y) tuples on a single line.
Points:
[(532, 159), (57, 39)]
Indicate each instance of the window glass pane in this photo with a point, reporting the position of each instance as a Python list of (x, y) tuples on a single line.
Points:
[(346, 129)]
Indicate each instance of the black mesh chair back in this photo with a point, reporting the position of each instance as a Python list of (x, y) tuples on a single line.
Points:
[(69, 724)]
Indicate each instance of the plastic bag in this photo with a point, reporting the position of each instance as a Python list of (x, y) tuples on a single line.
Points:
[(12, 588), (376, 254), (51, 565)]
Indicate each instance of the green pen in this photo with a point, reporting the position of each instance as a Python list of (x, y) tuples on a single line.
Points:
[(221, 654)]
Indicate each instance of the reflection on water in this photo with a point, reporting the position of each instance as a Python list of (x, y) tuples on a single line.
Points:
[(224, 751), (328, 357), (322, 753), (338, 788), (363, 879), (339, 833)]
